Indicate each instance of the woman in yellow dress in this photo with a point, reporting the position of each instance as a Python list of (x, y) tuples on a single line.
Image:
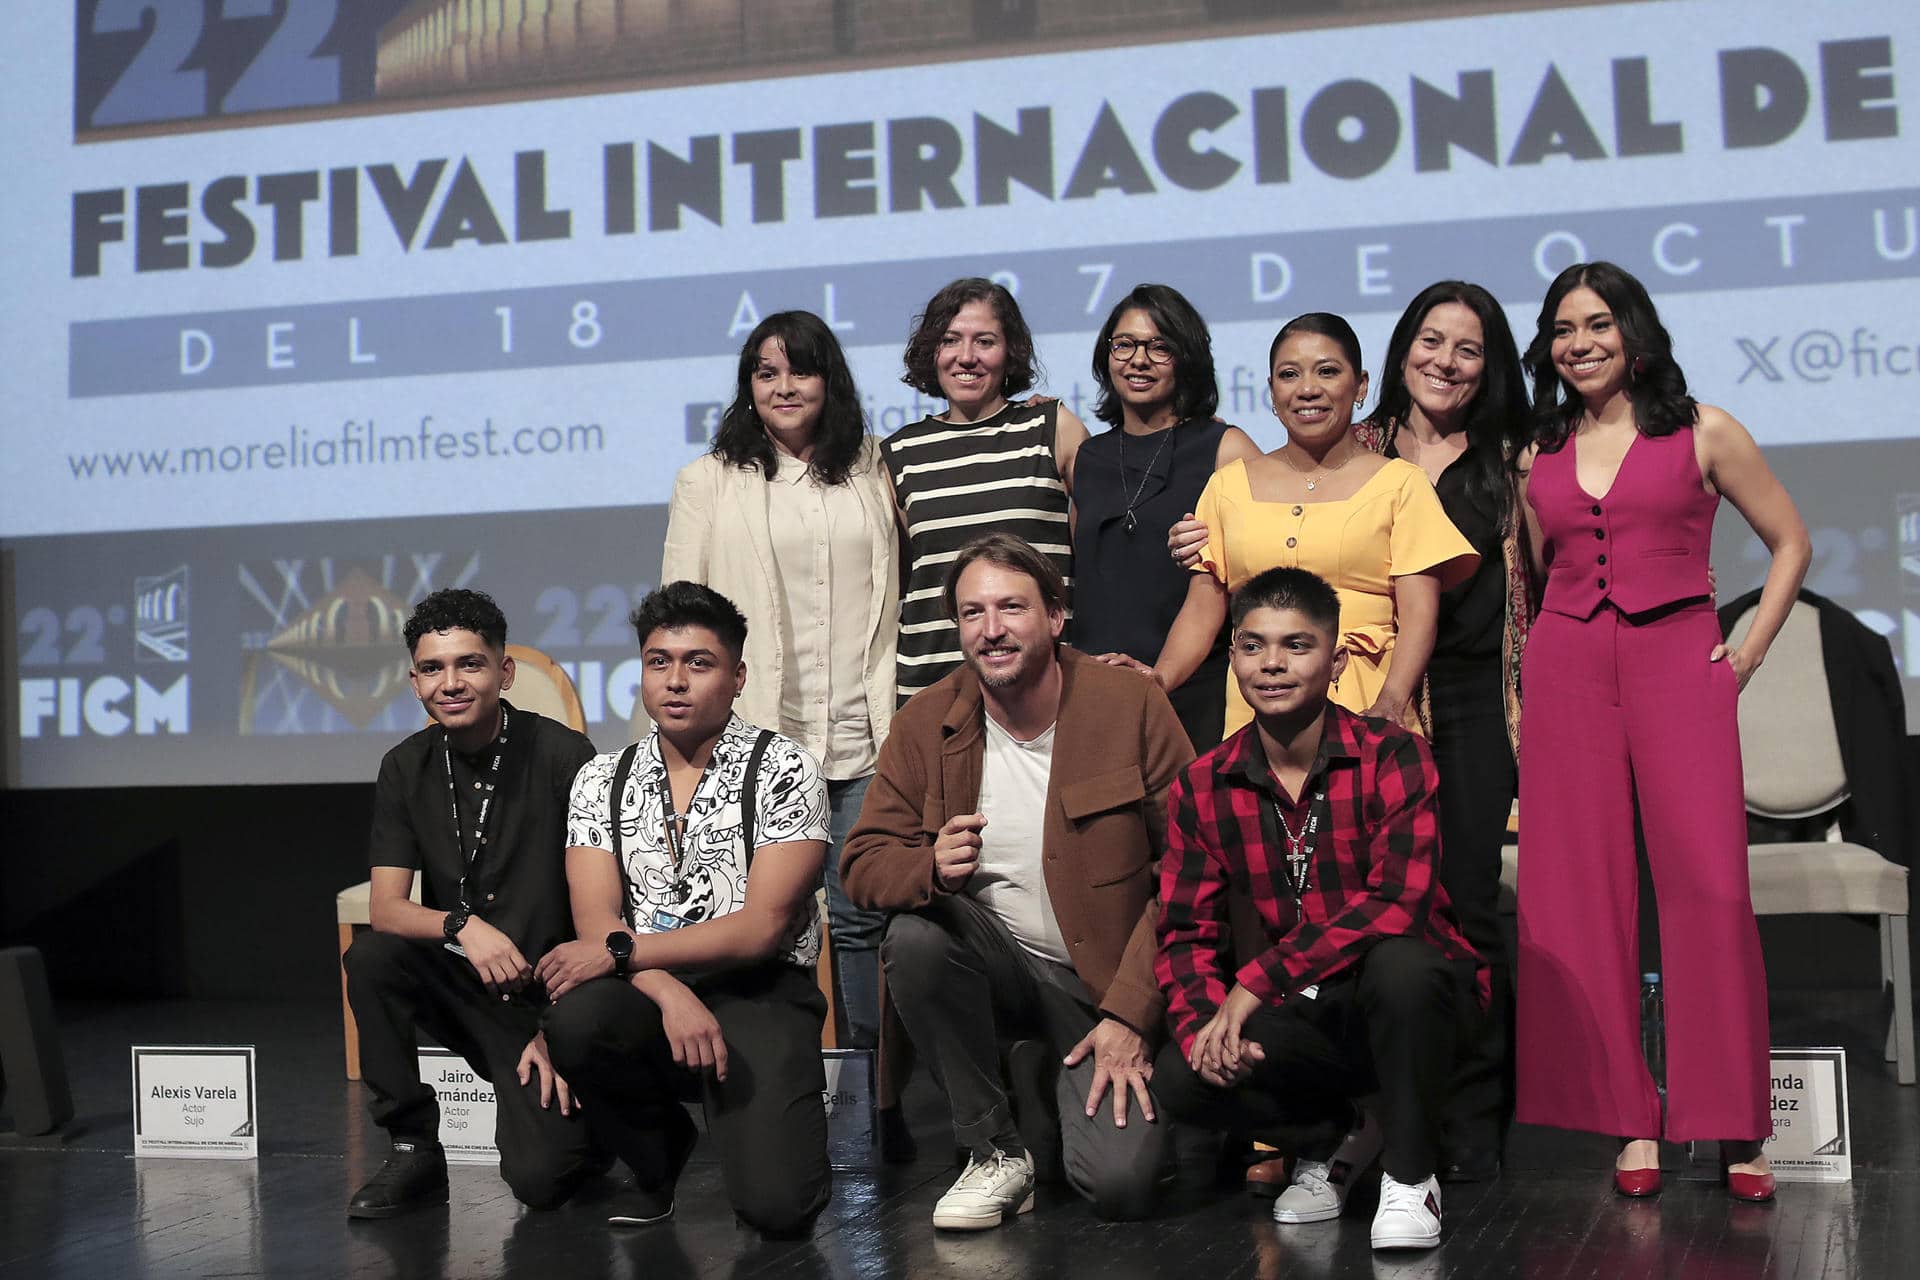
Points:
[(1371, 526)]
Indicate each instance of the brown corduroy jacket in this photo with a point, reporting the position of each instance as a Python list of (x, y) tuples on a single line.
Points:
[(1117, 748)]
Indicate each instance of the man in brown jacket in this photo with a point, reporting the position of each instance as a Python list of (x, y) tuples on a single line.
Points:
[(1014, 823)]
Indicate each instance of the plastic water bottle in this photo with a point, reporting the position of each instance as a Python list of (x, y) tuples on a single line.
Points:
[(1653, 1032)]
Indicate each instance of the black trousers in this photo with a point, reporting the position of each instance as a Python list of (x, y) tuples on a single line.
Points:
[(768, 1117), (400, 986), (1387, 1029), (1477, 786), (962, 983)]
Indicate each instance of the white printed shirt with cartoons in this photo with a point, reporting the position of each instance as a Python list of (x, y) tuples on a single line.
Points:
[(790, 804)]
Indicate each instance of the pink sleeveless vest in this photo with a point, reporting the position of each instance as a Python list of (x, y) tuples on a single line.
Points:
[(1642, 546)]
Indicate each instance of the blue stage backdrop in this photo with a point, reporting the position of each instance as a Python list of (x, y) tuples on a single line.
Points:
[(311, 308)]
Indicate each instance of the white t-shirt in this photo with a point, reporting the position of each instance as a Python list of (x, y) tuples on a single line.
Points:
[(1011, 881), (790, 800)]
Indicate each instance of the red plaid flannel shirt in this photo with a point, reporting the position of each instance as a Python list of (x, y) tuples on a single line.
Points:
[(1373, 873)]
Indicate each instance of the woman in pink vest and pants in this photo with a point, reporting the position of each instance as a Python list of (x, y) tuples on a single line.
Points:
[(1629, 700)]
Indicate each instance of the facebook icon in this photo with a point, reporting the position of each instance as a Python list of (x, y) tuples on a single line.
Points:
[(702, 421)]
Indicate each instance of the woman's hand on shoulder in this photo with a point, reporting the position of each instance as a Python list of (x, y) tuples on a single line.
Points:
[(1186, 538), (1131, 663)]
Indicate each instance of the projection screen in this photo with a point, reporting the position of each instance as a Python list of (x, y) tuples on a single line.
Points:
[(314, 307)]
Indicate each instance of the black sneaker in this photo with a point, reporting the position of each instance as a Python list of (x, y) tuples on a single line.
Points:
[(413, 1177), (639, 1206)]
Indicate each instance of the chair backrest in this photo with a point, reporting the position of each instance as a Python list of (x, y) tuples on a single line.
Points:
[(1789, 747), (541, 685)]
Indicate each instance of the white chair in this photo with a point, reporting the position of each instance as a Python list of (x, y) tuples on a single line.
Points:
[(1791, 753)]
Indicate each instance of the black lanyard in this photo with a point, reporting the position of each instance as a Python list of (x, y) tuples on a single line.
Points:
[(675, 824), (470, 855), (1300, 848)]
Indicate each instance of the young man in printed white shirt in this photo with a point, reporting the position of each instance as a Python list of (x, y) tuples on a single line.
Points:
[(693, 898)]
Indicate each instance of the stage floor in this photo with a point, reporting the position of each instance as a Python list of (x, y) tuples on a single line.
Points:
[(83, 1207)]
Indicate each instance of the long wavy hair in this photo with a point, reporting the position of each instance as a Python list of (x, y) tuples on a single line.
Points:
[(1022, 370), (1196, 392), (1497, 422), (1657, 388), (811, 348)]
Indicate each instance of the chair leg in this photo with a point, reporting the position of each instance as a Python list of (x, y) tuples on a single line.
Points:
[(1894, 930), (823, 975), (347, 1024)]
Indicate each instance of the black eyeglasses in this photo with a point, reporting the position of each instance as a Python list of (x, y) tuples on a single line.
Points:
[(1159, 350)]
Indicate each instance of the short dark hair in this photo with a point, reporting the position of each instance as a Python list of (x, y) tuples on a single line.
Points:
[(457, 609), (1327, 325), (1009, 551), (1022, 369), (1658, 388), (811, 348), (1288, 588), (675, 605), (1196, 391)]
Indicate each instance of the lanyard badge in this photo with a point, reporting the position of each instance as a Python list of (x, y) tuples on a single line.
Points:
[(470, 854)]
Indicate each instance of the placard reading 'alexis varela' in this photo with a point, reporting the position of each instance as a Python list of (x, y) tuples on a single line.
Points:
[(195, 1101)]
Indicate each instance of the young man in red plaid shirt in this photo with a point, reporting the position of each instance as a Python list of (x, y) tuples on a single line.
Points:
[(1306, 948)]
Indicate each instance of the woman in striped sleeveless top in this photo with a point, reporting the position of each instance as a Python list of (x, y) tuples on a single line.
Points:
[(986, 464)]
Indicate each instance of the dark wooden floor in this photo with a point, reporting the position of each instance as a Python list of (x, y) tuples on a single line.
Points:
[(84, 1208)]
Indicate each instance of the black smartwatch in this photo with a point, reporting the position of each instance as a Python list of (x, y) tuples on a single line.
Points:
[(456, 921), (620, 947)]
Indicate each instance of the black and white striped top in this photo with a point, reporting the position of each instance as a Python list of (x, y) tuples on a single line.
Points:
[(955, 483)]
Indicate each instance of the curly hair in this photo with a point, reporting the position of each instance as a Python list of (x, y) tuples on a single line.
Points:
[(675, 605), (1657, 388), (1497, 417), (811, 348), (1196, 392), (1022, 369), (457, 609)]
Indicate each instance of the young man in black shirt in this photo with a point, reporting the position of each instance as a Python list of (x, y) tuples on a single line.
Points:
[(477, 803)]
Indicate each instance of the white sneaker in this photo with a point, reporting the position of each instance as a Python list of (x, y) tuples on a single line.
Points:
[(988, 1191), (1319, 1191), (1409, 1214)]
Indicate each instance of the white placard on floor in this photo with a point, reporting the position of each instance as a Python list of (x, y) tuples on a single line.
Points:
[(466, 1107), (195, 1101), (1812, 1140), (849, 1101)]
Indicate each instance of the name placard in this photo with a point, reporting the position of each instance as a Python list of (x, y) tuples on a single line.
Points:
[(195, 1101), (1812, 1140), (467, 1107), (849, 1101)]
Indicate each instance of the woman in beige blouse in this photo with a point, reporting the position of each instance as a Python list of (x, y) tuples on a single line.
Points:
[(789, 517)]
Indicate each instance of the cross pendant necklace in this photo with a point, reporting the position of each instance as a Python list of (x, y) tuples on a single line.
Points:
[(1300, 845)]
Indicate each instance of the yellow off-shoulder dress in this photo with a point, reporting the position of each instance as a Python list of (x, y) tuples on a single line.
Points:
[(1392, 526)]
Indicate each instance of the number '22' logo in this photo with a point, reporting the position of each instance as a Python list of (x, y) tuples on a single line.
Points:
[(167, 81)]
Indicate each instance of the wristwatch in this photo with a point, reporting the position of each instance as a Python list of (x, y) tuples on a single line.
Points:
[(620, 947), (456, 921)]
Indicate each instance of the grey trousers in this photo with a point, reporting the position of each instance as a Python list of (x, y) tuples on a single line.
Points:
[(962, 984)]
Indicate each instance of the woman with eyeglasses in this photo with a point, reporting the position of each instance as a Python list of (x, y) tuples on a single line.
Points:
[(1154, 364)]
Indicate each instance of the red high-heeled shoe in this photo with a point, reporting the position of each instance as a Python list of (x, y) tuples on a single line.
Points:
[(1637, 1183), (1756, 1188)]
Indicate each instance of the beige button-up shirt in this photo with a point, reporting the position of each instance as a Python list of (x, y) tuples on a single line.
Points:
[(821, 546)]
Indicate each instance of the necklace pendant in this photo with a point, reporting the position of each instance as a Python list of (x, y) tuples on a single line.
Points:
[(1129, 524), (1311, 484)]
